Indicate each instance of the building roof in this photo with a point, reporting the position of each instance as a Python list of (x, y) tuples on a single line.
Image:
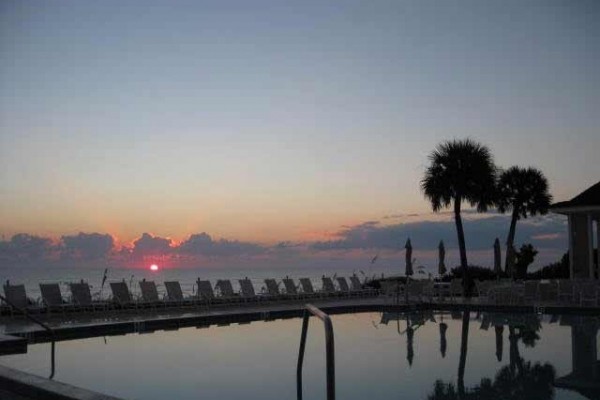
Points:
[(589, 198)]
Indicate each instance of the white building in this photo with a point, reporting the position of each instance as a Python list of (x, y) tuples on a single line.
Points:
[(583, 212)]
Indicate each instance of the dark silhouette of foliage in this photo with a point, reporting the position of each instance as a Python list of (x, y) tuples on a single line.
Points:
[(524, 191), (557, 270), (529, 336), (532, 381), (460, 171), (524, 258), (475, 272)]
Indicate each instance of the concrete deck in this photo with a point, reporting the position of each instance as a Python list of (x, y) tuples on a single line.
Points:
[(83, 325)]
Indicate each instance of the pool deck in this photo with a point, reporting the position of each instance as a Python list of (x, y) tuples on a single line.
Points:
[(18, 385), (17, 331)]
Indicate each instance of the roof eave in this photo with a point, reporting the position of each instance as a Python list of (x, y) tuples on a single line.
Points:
[(566, 209)]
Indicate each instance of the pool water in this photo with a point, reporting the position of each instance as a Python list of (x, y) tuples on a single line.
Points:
[(378, 356)]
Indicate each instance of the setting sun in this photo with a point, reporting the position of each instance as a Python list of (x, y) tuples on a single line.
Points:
[(154, 267)]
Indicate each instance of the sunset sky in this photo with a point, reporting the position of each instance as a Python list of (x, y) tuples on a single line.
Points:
[(272, 122)]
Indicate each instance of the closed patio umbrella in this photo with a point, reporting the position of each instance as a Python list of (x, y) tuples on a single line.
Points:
[(497, 257), (409, 268), (442, 256)]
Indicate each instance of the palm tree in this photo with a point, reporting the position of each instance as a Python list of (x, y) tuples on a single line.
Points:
[(460, 171), (524, 191)]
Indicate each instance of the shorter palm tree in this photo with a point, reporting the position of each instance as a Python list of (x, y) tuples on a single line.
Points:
[(524, 191)]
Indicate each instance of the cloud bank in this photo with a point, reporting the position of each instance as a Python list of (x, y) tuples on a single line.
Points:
[(349, 244), (543, 232)]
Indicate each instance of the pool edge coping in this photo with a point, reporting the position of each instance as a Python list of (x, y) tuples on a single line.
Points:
[(37, 387)]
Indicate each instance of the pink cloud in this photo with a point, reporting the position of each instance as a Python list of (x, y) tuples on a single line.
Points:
[(548, 236)]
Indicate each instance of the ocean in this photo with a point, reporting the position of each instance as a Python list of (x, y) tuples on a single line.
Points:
[(33, 276)]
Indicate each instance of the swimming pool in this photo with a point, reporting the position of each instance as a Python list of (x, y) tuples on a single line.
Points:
[(415, 355)]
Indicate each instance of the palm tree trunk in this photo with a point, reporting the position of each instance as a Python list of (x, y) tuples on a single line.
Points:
[(511, 238), (461, 244)]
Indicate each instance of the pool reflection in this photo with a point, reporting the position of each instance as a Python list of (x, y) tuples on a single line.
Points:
[(412, 355), (520, 379)]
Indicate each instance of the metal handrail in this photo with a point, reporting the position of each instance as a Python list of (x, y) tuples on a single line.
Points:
[(329, 350), (43, 325)]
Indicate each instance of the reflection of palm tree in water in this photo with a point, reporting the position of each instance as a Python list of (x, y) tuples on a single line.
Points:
[(464, 342), (519, 380)]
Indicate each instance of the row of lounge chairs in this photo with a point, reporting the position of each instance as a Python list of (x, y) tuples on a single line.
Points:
[(562, 292), (222, 293), (421, 290), (579, 292)]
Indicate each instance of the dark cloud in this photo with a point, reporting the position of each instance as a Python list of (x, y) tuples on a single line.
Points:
[(468, 212), (148, 245), (87, 246), (203, 244), (394, 216), (543, 232), (25, 247)]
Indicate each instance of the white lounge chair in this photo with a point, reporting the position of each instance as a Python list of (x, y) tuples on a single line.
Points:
[(588, 293), (150, 296), (566, 291), (456, 288), (81, 296), (291, 290), (206, 293), (328, 289), (392, 290), (121, 295), (530, 295), (52, 298), (357, 288), (17, 297), (175, 294), (307, 288), (247, 290), (482, 288), (343, 286), (227, 294)]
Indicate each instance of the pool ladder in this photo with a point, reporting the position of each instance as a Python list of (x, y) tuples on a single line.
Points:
[(329, 350)]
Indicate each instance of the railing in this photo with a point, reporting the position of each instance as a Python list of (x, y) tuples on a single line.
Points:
[(43, 325), (329, 350)]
